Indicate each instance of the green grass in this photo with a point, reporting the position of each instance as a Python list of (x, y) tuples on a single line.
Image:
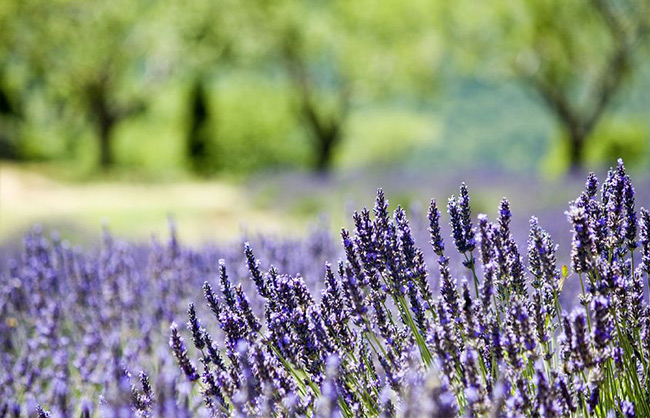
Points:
[(214, 211)]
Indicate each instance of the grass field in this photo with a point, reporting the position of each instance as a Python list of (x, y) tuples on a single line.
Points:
[(273, 203), (214, 211)]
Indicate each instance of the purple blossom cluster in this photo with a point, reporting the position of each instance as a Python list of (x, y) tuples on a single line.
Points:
[(363, 337), (79, 325)]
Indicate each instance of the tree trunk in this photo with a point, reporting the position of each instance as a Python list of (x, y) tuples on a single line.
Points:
[(326, 130), (9, 132), (105, 117), (325, 143), (576, 149), (198, 139), (106, 125)]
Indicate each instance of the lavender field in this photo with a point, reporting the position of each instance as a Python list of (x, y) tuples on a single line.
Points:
[(306, 208), (439, 314)]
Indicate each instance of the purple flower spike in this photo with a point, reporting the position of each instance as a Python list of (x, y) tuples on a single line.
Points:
[(226, 286), (212, 300), (194, 325), (180, 352), (644, 240), (505, 215), (627, 408), (603, 326), (591, 186), (461, 221), (254, 269), (583, 248), (630, 223), (41, 413), (486, 239), (541, 256), (246, 311), (434, 229)]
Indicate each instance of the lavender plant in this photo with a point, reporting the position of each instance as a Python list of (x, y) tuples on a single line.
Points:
[(366, 337)]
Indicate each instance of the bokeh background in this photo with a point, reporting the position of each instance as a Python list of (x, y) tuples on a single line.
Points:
[(267, 116)]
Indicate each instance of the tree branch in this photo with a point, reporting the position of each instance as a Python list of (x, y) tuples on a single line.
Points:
[(557, 100), (323, 126), (618, 64)]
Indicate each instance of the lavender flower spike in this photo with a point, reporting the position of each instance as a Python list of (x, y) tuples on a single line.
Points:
[(180, 352), (486, 239), (541, 256), (434, 229), (41, 413), (630, 223), (644, 240), (254, 269), (461, 221), (603, 328), (583, 246), (591, 186), (194, 325)]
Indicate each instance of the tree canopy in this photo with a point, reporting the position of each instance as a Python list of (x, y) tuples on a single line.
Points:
[(316, 63)]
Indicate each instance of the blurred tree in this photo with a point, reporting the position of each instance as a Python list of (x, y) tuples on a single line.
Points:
[(209, 39), (199, 135), (204, 50), (97, 57), (101, 63), (324, 123), (336, 53), (11, 102), (624, 138), (235, 110), (294, 37), (10, 117), (578, 82), (576, 55)]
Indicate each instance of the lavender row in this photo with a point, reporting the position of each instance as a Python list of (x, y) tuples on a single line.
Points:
[(366, 336), (74, 321)]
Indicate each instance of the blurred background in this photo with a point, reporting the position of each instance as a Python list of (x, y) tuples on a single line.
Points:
[(259, 115)]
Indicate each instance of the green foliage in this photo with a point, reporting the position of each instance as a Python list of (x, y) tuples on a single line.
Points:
[(575, 55), (254, 127), (619, 138), (386, 136), (290, 83), (613, 138), (393, 50)]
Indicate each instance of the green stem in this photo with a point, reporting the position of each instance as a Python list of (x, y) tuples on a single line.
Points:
[(584, 296), (470, 265), (558, 308), (422, 346)]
